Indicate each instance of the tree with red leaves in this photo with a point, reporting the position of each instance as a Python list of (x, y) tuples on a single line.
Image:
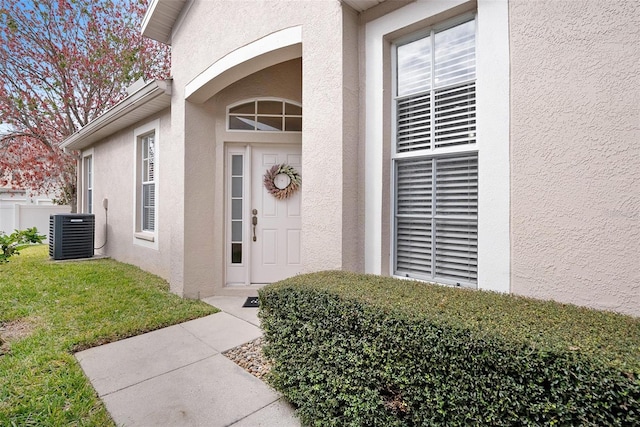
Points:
[(62, 64)]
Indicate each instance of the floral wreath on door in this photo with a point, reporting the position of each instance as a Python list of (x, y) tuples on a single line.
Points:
[(282, 181)]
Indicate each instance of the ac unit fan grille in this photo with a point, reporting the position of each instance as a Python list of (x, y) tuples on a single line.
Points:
[(71, 236)]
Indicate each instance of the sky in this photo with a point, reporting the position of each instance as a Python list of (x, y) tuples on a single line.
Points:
[(4, 128)]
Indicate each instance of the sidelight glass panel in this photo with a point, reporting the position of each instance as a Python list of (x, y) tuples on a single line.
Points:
[(236, 253), (236, 165), (236, 231), (236, 202), (236, 209), (236, 186)]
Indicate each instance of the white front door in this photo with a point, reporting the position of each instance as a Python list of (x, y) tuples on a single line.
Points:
[(269, 250), (274, 241)]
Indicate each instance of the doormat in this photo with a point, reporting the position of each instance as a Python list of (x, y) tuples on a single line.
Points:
[(251, 302)]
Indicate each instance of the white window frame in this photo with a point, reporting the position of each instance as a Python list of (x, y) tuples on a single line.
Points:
[(433, 153), (492, 120), (148, 160), (141, 237), (87, 181), (283, 116)]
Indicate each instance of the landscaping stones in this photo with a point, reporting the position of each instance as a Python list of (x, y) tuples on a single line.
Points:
[(250, 358)]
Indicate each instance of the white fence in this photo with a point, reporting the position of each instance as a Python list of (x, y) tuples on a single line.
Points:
[(19, 212)]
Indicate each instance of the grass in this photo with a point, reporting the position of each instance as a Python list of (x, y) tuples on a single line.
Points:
[(55, 309)]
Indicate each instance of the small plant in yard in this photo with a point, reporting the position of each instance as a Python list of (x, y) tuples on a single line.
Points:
[(30, 235), (10, 243), (50, 310)]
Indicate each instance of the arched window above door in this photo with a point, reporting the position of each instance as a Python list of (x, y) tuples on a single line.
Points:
[(265, 115)]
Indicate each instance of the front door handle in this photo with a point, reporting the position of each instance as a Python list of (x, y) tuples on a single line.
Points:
[(254, 221)]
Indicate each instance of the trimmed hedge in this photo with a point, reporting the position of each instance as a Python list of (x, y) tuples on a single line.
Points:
[(363, 350)]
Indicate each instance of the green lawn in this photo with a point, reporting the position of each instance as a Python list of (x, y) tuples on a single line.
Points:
[(49, 310)]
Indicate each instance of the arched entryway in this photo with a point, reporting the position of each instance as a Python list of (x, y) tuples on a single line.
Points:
[(253, 94)]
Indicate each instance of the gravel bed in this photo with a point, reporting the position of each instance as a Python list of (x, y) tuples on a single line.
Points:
[(250, 358)]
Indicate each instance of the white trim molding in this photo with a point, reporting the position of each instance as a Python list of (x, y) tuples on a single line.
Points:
[(265, 52), (492, 118)]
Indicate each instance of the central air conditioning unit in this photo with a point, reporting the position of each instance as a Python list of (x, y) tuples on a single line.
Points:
[(71, 236)]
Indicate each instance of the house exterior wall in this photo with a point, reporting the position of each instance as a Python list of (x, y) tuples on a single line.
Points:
[(559, 163), (113, 169), (329, 128), (575, 156)]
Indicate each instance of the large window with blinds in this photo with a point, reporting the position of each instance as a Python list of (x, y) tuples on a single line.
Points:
[(435, 157)]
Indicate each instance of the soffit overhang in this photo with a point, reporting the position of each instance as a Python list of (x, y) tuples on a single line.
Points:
[(362, 5), (150, 99), (160, 18)]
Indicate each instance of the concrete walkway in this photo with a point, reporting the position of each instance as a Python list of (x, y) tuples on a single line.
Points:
[(177, 376)]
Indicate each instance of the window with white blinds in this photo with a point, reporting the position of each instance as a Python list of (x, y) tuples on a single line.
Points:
[(148, 208), (436, 90), (436, 218), (435, 158), (88, 184)]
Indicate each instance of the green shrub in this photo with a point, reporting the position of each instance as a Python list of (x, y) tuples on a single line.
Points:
[(366, 350), (10, 243), (30, 235)]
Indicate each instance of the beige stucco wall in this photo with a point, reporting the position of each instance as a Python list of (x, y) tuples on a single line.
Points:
[(113, 179), (575, 152), (209, 31), (352, 187), (327, 136)]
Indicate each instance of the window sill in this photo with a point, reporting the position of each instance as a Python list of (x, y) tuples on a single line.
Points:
[(144, 236)]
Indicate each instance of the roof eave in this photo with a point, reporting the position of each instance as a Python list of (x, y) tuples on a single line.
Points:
[(160, 18), (152, 98), (362, 5)]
